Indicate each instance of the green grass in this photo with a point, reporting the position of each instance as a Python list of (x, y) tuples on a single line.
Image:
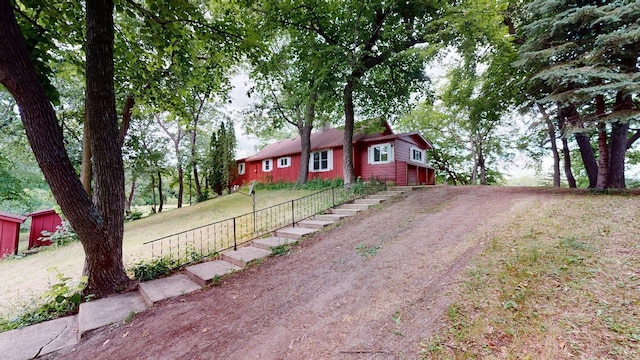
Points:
[(559, 282), (24, 279)]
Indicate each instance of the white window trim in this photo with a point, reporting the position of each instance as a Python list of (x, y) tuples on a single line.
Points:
[(329, 161), (241, 168), (264, 163), (390, 159), (288, 158), (424, 155)]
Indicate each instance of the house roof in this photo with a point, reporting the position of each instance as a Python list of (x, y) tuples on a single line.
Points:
[(327, 139), (319, 140)]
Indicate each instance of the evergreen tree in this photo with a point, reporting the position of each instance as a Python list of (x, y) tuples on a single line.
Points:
[(222, 149), (584, 55)]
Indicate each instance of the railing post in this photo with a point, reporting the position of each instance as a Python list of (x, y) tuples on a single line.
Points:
[(235, 242), (333, 196), (293, 214)]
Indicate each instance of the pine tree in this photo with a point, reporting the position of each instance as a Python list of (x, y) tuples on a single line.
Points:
[(584, 55), (221, 160)]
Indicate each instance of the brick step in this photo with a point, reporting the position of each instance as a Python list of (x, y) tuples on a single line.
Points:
[(271, 242), (206, 272), (243, 256), (315, 224), (295, 233)]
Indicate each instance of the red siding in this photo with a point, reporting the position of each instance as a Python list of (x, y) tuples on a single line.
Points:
[(45, 220), (9, 233)]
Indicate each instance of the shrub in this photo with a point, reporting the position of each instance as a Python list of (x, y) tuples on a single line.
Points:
[(145, 270), (62, 298), (63, 235)]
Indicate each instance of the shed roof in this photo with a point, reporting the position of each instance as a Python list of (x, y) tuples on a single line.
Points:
[(12, 217), (42, 212)]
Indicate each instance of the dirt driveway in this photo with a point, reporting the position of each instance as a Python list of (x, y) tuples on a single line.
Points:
[(371, 288)]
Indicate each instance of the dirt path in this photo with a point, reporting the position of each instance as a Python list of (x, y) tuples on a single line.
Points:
[(324, 300)]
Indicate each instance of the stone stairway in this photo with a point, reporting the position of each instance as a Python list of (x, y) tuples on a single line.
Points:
[(53, 335)]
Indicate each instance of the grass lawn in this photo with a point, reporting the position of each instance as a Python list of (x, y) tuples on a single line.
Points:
[(23, 279), (560, 280)]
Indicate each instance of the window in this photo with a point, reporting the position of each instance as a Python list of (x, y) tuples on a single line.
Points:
[(381, 154), (417, 155), (321, 161), (267, 165), (241, 169), (284, 162)]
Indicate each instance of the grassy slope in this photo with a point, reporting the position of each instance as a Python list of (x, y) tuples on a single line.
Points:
[(23, 279), (560, 280)]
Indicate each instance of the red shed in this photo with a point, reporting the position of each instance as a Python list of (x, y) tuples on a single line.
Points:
[(9, 233), (42, 220)]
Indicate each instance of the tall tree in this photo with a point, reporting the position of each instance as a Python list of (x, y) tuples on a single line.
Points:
[(221, 158), (584, 55), (100, 226), (358, 37)]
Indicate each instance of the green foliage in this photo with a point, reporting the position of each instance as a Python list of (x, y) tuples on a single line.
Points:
[(62, 298), (222, 168), (63, 235), (134, 214), (367, 251), (145, 270), (313, 184)]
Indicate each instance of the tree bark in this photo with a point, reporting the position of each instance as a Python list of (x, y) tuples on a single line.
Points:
[(566, 156), (153, 193), (347, 147), (304, 129), (588, 158), (126, 117), (617, 153), (132, 191), (86, 175), (603, 157), (160, 194), (98, 227)]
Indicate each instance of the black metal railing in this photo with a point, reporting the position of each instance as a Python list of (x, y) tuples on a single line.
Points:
[(209, 240)]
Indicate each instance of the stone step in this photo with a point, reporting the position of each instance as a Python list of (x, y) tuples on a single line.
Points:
[(368, 201), (391, 193), (330, 217), (354, 206), (166, 288), (38, 340), (206, 272), (244, 255), (315, 224), (346, 212), (379, 196), (98, 313), (271, 242), (295, 233)]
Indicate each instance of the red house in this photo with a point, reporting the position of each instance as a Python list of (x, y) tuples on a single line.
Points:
[(401, 158), (9, 233), (43, 220)]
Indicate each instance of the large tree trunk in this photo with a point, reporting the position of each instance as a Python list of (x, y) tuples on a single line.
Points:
[(104, 256), (86, 174), (153, 193), (304, 129), (588, 158), (603, 157), (566, 156), (618, 144), (347, 143), (100, 227), (617, 153)]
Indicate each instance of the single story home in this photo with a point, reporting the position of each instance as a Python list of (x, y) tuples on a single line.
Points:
[(401, 158)]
